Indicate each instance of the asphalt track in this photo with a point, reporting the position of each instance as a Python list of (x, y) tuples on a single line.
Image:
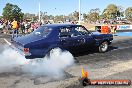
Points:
[(114, 64)]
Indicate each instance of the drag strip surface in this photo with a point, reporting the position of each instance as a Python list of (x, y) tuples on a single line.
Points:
[(114, 64)]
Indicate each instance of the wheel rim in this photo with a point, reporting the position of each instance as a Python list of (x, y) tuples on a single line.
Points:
[(104, 46)]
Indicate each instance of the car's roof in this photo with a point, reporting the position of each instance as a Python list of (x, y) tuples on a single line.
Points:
[(60, 25)]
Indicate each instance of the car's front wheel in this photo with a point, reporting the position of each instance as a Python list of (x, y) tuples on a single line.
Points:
[(103, 47)]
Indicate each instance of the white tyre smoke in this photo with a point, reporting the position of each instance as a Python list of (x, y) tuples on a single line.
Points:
[(53, 65), (50, 66), (9, 59)]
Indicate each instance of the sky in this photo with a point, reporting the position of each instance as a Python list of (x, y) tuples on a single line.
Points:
[(62, 7)]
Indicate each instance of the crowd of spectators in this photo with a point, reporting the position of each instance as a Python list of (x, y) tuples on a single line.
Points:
[(24, 26), (27, 26), (112, 21)]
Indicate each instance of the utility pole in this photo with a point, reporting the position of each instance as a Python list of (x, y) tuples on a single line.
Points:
[(79, 11), (39, 12)]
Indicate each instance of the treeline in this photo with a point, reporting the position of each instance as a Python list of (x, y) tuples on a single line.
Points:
[(112, 11)]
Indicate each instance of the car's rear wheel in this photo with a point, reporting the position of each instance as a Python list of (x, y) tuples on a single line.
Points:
[(103, 47), (53, 51), (50, 54)]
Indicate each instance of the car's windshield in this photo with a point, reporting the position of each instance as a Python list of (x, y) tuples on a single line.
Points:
[(82, 30), (42, 31)]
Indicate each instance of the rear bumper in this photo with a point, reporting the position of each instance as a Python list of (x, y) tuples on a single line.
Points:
[(20, 50), (34, 56), (29, 55)]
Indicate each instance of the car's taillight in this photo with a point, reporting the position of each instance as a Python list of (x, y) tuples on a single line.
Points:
[(26, 49)]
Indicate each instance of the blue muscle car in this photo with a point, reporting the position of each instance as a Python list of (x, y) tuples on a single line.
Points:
[(70, 37)]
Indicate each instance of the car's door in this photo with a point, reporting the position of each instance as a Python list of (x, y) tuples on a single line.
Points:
[(70, 38), (86, 35)]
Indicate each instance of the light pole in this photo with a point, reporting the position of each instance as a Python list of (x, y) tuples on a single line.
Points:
[(79, 11), (39, 12)]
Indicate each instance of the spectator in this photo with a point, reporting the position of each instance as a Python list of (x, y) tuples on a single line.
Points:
[(32, 26), (15, 28), (37, 25), (22, 27), (27, 26), (4, 27)]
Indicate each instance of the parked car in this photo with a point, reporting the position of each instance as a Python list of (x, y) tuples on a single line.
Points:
[(70, 37)]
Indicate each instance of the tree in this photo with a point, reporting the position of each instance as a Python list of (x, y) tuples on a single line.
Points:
[(120, 11), (29, 16), (0, 17), (76, 15), (11, 11), (128, 13), (51, 17), (110, 11), (93, 15), (46, 17), (85, 16), (59, 18), (70, 17)]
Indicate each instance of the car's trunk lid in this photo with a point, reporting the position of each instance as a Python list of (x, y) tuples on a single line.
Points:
[(23, 40)]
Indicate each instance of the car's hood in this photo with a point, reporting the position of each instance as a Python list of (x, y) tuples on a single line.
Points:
[(99, 35), (96, 33), (25, 39)]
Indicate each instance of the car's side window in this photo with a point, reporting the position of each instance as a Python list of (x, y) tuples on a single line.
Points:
[(74, 32), (46, 31), (64, 32), (42, 31), (68, 32)]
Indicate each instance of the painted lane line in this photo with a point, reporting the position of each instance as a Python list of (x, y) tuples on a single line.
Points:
[(7, 41)]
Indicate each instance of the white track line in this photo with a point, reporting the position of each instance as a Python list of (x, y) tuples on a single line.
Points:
[(7, 41)]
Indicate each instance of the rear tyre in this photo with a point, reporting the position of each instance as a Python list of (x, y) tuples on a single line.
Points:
[(49, 53), (103, 47), (54, 51)]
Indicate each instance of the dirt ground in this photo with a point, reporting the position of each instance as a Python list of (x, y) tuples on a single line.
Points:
[(114, 64)]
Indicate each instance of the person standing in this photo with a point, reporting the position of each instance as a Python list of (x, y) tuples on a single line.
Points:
[(27, 26), (22, 27), (32, 26), (15, 28)]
